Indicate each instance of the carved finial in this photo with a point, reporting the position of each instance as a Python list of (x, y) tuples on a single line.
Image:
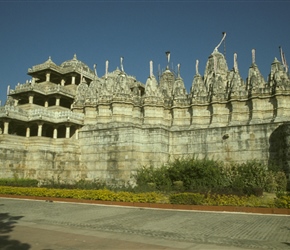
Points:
[(151, 69), (81, 79), (95, 69), (75, 57), (8, 89), (224, 36), (283, 59), (107, 68), (253, 56), (168, 58), (121, 64), (196, 67), (178, 69), (214, 65), (235, 63)]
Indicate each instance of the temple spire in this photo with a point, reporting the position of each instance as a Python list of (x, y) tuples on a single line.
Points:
[(178, 70), (224, 36), (168, 58), (95, 69), (121, 64), (151, 69), (107, 68), (196, 67), (235, 63), (253, 56)]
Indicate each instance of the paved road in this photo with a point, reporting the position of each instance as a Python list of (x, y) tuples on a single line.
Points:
[(35, 225)]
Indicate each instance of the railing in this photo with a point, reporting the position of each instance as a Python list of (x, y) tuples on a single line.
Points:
[(42, 89), (36, 114)]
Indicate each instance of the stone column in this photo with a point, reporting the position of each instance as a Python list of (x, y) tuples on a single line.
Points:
[(46, 103), (6, 127), (28, 132), (77, 133), (55, 133), (73, 79), (67, 131), (39, 132), (16, 102), (57, 100), (62, 82), (30, 99), (47, 77)]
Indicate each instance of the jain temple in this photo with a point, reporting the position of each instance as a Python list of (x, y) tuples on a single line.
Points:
[(68, 123)]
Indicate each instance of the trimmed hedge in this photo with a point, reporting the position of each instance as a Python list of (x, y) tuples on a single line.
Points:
[(103, 195), (283, 201), (229, 200), (18, 182)]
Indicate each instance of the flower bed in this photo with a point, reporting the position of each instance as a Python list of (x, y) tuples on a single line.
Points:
[(185, 201)]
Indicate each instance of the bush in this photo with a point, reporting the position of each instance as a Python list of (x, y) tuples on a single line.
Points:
[(104, 195), (282, 202), (18, 182), (193, 175), (197, 175), (150, 178), (187, 198), (81, 184)]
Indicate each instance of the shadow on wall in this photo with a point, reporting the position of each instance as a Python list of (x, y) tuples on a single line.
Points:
[(7, 223), (279, 150)]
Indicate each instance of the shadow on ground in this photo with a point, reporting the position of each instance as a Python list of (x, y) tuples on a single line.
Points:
[(7, 223)]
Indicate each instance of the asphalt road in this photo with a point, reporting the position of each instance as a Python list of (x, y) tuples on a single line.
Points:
[(41, 225)]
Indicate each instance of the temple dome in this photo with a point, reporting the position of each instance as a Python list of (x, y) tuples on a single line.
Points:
[(76, 64), (216, 62)]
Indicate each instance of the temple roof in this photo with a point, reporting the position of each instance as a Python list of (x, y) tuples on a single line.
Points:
[(74, 63)]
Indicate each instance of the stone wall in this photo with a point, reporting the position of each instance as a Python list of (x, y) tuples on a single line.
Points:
[(40, 158)]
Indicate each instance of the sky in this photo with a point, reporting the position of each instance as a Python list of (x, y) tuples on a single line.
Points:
[(139, 31)]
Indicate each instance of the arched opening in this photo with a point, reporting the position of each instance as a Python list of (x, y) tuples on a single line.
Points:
[(61, 131)]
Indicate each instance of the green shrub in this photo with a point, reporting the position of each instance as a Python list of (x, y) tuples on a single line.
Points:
[(18, 182), (187, 198), (103, 195), (150, 178), (81, 184), (197, 175), (194, 175), (282, 202)]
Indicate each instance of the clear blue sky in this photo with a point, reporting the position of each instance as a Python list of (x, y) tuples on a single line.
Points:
[(140, 31)]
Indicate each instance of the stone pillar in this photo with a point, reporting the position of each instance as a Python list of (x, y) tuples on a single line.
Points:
[(47, 77), (281, 106), (16, 102), (239, 109), (62, 82), (55, 133), (6, 128), (39, 132), (262, 109), (200, 112), (180, 114), (28, 132), (219, 114), (73, 79), (77, 133), (46, 103), (30, 99), (57, 101), (67, 131)]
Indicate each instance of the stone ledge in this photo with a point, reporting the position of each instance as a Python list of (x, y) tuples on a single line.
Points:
[(234, 209)]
